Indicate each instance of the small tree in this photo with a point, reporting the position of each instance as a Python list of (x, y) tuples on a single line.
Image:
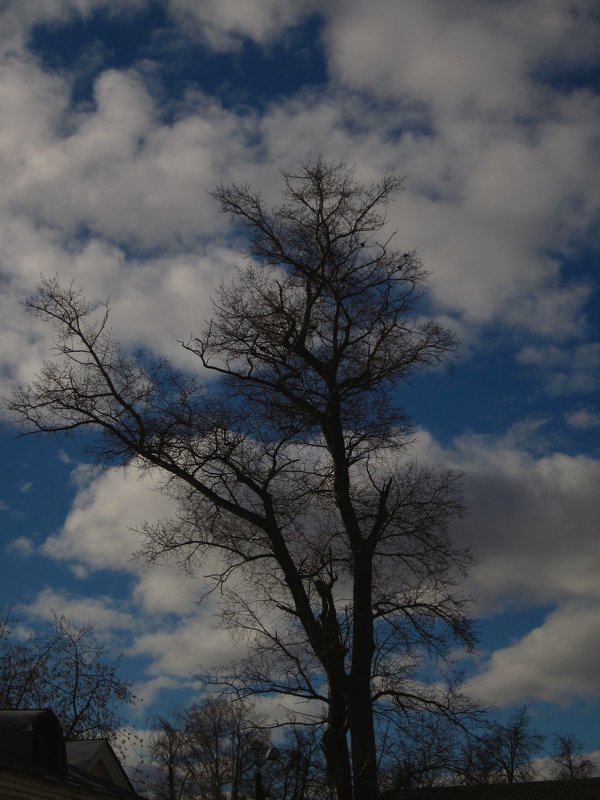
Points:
[(65, 670), (292, 466), (569, 762), (505, 754)]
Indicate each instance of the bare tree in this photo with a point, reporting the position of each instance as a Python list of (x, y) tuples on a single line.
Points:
[(505, 754), (569, 761), (172, 772), (65, 670), (424, 751), (299, 772), (208, 751), (292, 467)]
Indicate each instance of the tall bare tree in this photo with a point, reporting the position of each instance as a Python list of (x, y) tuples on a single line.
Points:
[(335, 553)]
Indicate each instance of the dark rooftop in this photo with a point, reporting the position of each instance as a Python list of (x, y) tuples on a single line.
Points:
[(32, 746), (583, 789)]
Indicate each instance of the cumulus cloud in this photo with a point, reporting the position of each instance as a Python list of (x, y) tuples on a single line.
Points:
[(498, 192), (458, 59), (129, 177), (583, 418), (163, 590), (485, 199), (532, 522), (149, 690), (192, 646), (487, 196), (97, 531), (101, 611), (573, 370), (555, 662), (223, 26), (21, 546)]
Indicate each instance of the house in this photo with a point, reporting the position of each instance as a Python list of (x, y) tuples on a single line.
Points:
[(37, 764), (583, 789)]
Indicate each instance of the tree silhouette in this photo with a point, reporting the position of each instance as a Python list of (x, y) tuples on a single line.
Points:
[(334, 554), (65, 670)]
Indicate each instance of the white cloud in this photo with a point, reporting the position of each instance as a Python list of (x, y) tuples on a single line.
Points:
[(501, 175), (194, 645), (555, 662), (532, 521), (97, 531), (149, 690), (22, 546), (566, 370), (223, 26), (583, 418), (486, 198), (278, 709), (544, 768), (64, 457), (470, 58), (130, 176), (497, 166), (163, 590), (101, 611)]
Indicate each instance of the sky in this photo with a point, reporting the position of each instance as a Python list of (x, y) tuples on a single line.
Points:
[(116, 119)]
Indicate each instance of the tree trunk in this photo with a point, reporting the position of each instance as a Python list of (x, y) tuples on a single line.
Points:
[(364, 760), (335, 745)]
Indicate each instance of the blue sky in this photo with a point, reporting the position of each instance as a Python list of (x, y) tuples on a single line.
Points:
[(117, 116)]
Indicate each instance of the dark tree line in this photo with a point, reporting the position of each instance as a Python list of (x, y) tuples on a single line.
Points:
[(212, 749), (508, 751)]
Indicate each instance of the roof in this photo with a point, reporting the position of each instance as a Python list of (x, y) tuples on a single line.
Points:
[(36, 763), (582, 789), (32, 736), (96, 757)]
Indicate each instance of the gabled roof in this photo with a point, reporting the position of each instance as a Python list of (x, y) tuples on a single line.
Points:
[(582, 789), (96, 757)]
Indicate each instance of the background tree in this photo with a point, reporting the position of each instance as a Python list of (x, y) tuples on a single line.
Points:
[(424, 751), (67, 671), (569, 761), (299, 773), (505, 754), (211, 751), (172, 773), (335, 554)]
